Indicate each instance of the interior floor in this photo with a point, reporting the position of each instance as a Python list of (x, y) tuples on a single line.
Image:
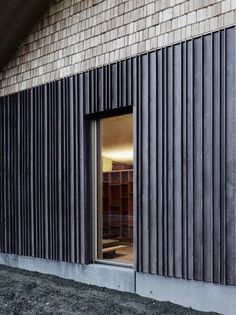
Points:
[(123, 254)]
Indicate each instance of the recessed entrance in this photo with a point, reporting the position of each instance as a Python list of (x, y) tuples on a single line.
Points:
[(115, 189)]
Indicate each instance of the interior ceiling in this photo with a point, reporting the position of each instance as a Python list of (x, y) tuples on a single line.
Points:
[(117, 138), (17, 17)]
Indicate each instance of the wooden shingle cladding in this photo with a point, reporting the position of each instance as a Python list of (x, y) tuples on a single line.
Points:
[(183, 99)]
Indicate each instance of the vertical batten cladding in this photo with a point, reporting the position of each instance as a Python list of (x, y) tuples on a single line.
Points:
[(230, 142), (187, 104), (109, 87), (183, 99), (41, 165)]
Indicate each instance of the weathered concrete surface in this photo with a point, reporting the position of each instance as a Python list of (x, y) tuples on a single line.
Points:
[(111, 277)]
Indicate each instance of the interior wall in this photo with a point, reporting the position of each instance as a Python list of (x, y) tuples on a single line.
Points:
[(106, 164)]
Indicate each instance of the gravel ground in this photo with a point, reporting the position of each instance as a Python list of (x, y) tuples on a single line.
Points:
[(24, 292)]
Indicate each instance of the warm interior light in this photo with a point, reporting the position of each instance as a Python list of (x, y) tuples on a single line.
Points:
[(119, 156)]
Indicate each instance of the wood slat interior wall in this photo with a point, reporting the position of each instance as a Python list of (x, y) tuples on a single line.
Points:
[(186, 159), (183, 99)]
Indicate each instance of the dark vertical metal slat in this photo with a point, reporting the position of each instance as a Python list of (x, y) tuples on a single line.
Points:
[(87, 91), (145, 159), (23, 161), (197, 158), (2, 104), (8, 178), (10, 225), (32, 167), (10, 192), (83, 239), (46, 167), (35, 169), (230, 154), (14, 168), (77, 170), (1, 171), (51, 173), (36, 174), (109, 87), (160, 151), (222, 162), (14, 188), (19, 152), (71, 174), (28, 214), (54, 160), (54, 167), (92, 90), (129, 91), (140, 188), (153, 161), (97, 109), (10, 145), (177, 160), (67, 168), (165, 166), (23, 173), (15, 213), (17, 204), (170, 161), (106, 87), (57, 167), (64, 184), (48, 162), (216, 156), (24, 168), (136, 163), (207, 158), (100, 89), (114, 85), (184, 159), (124, 82), (4, 175), (121, 85), (59, 170), (41, 172), (190, 152)]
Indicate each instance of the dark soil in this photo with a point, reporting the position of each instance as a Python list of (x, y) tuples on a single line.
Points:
[(24, 292)]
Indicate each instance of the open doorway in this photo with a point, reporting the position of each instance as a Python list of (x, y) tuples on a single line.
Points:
[(115, 189)]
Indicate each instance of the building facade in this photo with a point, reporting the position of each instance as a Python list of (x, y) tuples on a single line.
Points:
[(145, 204)]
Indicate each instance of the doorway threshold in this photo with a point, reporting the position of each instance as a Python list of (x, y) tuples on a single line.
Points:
[(113, 263)]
